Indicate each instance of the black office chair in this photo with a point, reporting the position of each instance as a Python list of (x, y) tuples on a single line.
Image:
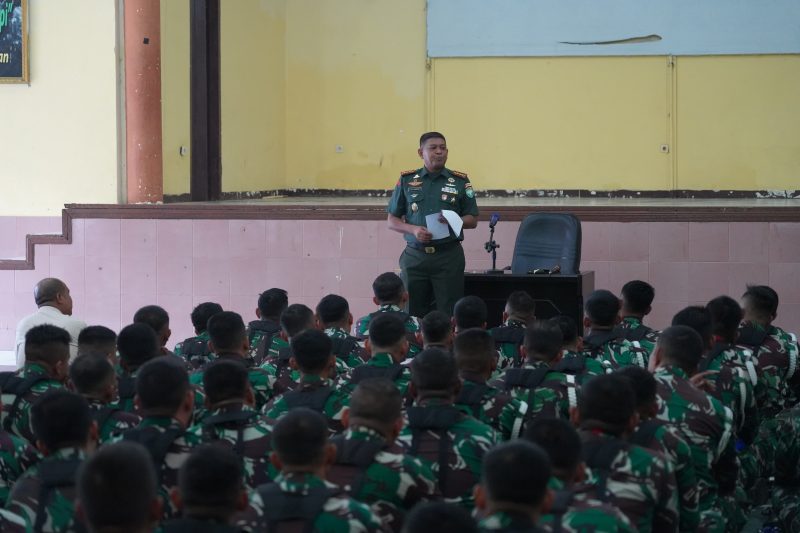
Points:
[(546, 241)]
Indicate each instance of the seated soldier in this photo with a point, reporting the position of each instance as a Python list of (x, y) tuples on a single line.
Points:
[(639, 482), (165, 399), (450, 441), (117, 490), (16, 456), (369, 465), (300, 496), (476, 358), (601, 342), (46, 368), (137, 344), (574, 505), (391, 297), (65, 433), (469, 312), (659, 436), (195, 349), (98, 339), (93, 377), (315, 389), (513, 490), (157, 318), (439, 517), (637, 297), (335, 319), (263, 332), (519, 312), (388, 346), (232, 419), (210, 492), (574, 361), (436, 331)]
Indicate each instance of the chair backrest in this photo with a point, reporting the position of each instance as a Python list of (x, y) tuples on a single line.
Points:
[(545, 240)]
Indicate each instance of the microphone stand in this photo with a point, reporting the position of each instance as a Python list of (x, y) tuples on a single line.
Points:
[(491, 247)]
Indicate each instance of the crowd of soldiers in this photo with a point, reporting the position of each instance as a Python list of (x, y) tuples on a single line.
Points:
[(306, 420)]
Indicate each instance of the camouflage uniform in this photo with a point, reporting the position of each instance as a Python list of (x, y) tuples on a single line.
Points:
[(17, 421), (790, 345), (269, 331), (632, 329), (491, 406), (16, 456), (57, 512), (192, 345), (575, 510), (284, 378), (126, 390), (357, 356), (551, 396), (504, 335), (613, 351), (384, 477), (437, 423), (331, 403), (246, 432), (111, 420), (11, 523), (208, 525), (382, 362), (508, 521), (361, 329), (260, 380), (581, 366)]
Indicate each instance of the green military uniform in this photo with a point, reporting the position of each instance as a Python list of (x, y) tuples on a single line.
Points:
[(111, 420), (576, 510), (282, 376), (20, 424), (492, 406), (263, 331), (509, 355), (434, 271), (331, 402), (195, 351), (549, 395), (383, 361), (12, 523), (632, 329), (613, 351), (357, 356), (511, 521), (261, 381), (16, 456), (581, 366), (411, 323)]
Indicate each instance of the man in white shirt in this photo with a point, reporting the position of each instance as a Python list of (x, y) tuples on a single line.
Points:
[(55, 307)]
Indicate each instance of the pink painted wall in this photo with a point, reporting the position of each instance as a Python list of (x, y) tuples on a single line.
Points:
[(115, 266)]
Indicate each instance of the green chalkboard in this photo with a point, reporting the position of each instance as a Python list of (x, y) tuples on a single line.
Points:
[(13, 41)]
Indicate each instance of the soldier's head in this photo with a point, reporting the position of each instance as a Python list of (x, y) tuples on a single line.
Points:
[(562, 444), (271, 303), (475, 352), (388, 289), (602, 310), (312, 353), (117, 490), (514, 476), (436, 328), (726, 314), (225, 381), (679, 346), (543, 340), (387, 334), (433, 150), (98, 339), (606, 403), (697, 318), (376, 403), (62, 419), (333, 311), (760, 304), (296, 318), (93, 377), (300, 443), (440, 517), (637, 297), (520, 306), (157, 318), (48, 346), (470, 312), (644, 387), (53, 292), (227, 333), (163, 390), (572, 339), (201, 313), (137, 344), (434, 374), (211, 484)]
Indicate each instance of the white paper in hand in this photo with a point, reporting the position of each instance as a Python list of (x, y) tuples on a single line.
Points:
[(438, 229), (454, 220)]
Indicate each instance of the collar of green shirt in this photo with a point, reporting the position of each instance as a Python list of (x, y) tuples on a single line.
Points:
[(514, 323), (336, 333), (33, 368), (298, 482), (363, 433), (434, 401), (633, 321), (158, 421), (671, 370), (389, 307), (534, 365), (382, 359), (69, 452), (314, 379)]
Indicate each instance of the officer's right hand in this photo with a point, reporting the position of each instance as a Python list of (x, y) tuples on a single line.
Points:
[(422, 234)]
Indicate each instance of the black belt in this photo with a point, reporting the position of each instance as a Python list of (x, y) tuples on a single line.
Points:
[(432, 249)]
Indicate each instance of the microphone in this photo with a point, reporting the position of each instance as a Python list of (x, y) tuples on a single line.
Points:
[(494, 219)]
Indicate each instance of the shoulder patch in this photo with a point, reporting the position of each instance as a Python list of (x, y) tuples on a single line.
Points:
[(462, 175), (408, 172)]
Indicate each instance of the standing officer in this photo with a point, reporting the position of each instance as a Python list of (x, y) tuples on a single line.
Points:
[(433, 269)]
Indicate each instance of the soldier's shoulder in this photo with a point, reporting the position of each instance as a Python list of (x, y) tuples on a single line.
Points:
[(411, 172), (459, 174)]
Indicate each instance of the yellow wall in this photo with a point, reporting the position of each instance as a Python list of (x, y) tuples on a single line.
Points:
[(175, 130), (59, 135)]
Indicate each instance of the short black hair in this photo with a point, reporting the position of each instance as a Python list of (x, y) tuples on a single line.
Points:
[(386, 330), (211, 482), (762, 301), (137, 344), (376, 399), (435, 326), (474, 350), (97, 338), (296, 318), (332, 308), (430, 135), (388, 288), (440, 517), (697, 318), (470, 312), (117, 473), (559, 439), (434, 370), (225, 379), (226, 330), (516, 472), (90, 373), (154, 316), (161, 384), (47, 343), (638, 296), (300, 436), (681, 346), (726, 314), (642, 382), (272, 302), (568, 327), (61, 419), (543, 340), (602, 307), (520, 303), (202, 313), (312, 350), (608, 399)]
